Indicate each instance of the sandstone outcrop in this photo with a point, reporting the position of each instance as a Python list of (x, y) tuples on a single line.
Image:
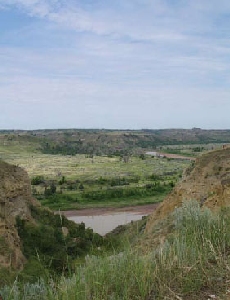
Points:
[(207, 181), (15, 200)]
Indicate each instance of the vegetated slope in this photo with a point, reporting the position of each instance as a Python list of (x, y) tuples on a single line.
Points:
[(207, 181), (100, 142), (29, 232)]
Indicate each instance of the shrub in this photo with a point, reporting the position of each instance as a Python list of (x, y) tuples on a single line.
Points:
[(37, 180)]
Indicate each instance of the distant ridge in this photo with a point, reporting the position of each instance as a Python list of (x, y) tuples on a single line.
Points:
[(106, 142)]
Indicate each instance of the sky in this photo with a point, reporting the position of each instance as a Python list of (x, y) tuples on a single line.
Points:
[(115, 64)]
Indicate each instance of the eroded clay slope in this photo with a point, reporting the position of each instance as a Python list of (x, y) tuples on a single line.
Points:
[(207, 181), (15, 200)]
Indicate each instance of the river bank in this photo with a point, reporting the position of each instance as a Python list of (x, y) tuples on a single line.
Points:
[(104, 220), (139, 209)]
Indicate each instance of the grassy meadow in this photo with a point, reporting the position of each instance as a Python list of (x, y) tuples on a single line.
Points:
[(83, 180), (79, 181)]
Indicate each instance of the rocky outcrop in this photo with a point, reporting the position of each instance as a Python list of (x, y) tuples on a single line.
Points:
[(207, 181), (15, 200)]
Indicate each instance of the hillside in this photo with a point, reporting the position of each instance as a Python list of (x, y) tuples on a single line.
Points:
[(15, 200), (106, 142), (34, 238), (207, 181)]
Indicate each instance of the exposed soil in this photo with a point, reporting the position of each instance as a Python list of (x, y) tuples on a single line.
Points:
[(140, 209), (176, 156), (207, 181)]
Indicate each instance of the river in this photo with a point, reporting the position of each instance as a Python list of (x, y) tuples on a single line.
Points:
[(104, 220)]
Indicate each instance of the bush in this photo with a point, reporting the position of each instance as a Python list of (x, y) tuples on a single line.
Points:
[(46, 241), (50, 191), (37, 180)]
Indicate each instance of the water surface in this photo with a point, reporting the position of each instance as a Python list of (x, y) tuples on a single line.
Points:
[(105, 223), (103, 220)]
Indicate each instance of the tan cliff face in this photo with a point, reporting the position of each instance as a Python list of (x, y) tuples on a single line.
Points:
[(207, 181), (15, 200)]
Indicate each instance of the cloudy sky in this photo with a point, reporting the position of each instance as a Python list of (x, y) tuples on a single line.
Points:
[(114, 64)]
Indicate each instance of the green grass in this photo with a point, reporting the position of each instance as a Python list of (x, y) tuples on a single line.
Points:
[(100, 174), (83, 168), (190, 149), (192, 263), (65, 202)]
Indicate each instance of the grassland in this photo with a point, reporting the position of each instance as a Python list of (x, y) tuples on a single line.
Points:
[(85, 168), (192, 263), (88, 180)]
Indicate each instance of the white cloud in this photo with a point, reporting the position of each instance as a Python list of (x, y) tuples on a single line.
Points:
[(134, 62), (140, 22), (71, 103)]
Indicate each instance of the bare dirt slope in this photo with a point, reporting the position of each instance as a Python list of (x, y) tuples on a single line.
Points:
[(15, 200), (207, 180)]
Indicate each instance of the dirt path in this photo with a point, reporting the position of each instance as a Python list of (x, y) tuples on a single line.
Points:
[(176, 156), (140, 209)]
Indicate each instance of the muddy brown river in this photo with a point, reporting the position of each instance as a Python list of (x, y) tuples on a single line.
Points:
[(104, 220)]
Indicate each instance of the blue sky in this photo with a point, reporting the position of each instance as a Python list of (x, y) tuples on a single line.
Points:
[(114, 64)]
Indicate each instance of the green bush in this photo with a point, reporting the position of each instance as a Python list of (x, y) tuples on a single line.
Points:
[(37, 180), (44, 240)]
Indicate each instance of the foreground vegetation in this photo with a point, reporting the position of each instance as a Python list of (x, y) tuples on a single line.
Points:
[(51, 244), (192, 263)]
